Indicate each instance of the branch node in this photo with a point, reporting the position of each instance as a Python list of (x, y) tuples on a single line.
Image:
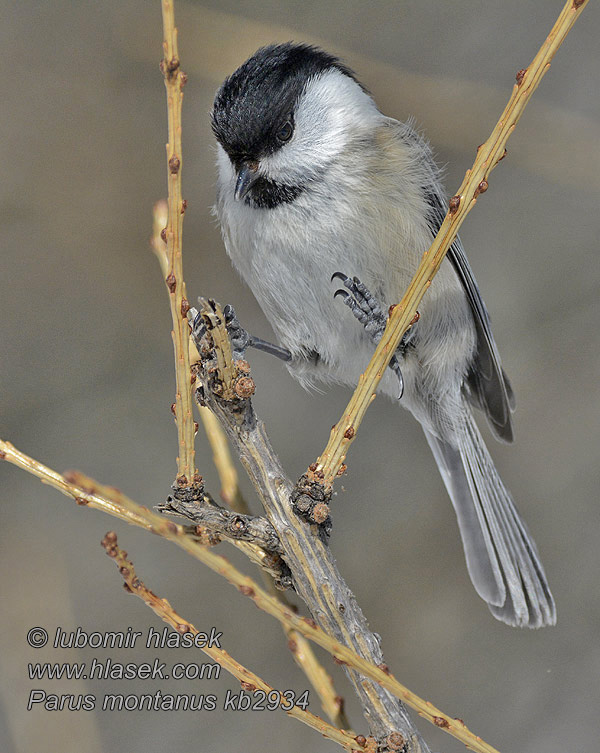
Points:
[(520, 76), (310, 501), (395, 742), (244, 387), (170, 66), (481, 188), (171, 282), (454, 204)]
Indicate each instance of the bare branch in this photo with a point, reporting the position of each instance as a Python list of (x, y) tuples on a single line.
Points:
[(225, 522), (304, 656), (250, 682), (174, 82), (315, 575), (115, 503)]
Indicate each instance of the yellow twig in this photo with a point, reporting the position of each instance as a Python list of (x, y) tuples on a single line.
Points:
[(116, 503), (474, 183), (249, 681), (224, 367), (230, 490), (174, 82)]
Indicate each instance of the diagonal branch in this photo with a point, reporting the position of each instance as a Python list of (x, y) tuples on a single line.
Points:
[(304, 656), (303, 653), (112, 501), (250, 682), (327, 467), (315, 575)]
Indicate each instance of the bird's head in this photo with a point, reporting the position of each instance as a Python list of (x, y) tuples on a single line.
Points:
[(283, 117)]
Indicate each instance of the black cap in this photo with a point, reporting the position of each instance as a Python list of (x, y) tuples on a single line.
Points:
[(261, 95)]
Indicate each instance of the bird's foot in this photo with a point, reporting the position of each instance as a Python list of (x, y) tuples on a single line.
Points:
[(367, 309), (240, 339), (363, 304)]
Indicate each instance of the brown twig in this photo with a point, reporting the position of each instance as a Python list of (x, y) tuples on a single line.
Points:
[(249, 681), (224, 522), (230, 491), (115, 503), (475, 183), (174, 82)]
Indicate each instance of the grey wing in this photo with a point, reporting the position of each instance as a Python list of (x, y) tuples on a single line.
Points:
[(487, 385)]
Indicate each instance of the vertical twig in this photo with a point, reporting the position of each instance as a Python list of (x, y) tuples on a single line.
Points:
[(174, 82)]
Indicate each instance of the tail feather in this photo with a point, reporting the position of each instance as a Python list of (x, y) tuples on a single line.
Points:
[(501, 555)]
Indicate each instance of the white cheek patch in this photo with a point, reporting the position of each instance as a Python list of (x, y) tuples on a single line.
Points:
[(332, 110), (226, 170)]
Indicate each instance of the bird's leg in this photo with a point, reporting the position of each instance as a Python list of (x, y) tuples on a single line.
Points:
[(240, 339), (367, 309)]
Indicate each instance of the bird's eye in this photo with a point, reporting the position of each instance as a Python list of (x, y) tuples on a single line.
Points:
[(285, 132)]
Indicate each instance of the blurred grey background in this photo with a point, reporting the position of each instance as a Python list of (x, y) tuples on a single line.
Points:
[(87, 372)]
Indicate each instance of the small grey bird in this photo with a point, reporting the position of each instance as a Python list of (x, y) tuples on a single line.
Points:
[(315, 184)]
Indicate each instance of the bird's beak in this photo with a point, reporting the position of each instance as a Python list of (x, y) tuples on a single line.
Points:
[(246, 178)]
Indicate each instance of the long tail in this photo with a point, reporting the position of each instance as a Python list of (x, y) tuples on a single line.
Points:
[(501, 555)]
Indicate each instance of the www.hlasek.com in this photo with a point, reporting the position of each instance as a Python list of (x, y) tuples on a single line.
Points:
[(250, 698)]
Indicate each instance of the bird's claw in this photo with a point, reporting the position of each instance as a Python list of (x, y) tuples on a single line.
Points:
[(197, 325), (363, 304), (395, 367), (367, 309), (240, 339)]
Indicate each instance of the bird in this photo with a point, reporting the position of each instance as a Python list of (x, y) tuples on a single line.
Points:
[(317, 189)]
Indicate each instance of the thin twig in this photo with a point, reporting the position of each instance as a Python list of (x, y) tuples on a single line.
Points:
[(250, 682), (475, 182), (115, 503), (230, 489), (174, 81)]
